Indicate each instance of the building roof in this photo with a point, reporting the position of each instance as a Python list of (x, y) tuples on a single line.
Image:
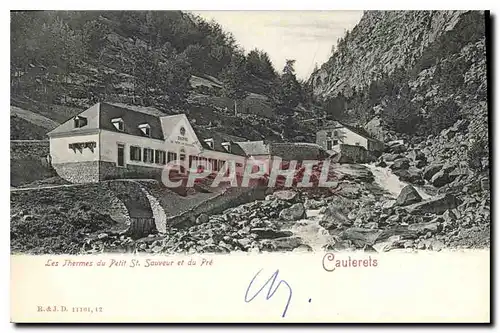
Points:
[(218, 138), (358, 130), (100, 116), (254, 148)]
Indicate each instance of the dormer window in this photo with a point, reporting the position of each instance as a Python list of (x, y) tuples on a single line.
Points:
[(118, 123), (210, 143), (80, 121), (227, 146), (145, 129)]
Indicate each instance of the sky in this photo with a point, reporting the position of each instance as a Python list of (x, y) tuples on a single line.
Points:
[(306, 36)]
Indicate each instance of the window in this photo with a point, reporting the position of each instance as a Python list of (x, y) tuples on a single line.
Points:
[(210, 143), (220, 164), (145, 129), (227, 146), (118, 123), (335, 142), (135, 153), (148, 155), (171, 157), (121, 155), (214, 164), (329, 134), (160, 157), (80, 121), (335, 133), (182, 157), (328, 145)]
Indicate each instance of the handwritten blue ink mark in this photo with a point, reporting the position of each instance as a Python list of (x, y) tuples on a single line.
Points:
[(270, 291)]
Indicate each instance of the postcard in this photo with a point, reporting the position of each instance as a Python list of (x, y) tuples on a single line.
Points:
[(250, 167)]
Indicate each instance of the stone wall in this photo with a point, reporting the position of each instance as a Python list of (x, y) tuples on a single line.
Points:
[(28, 161), (25, 149), (81, 172), (232, 197), (353, 154), (109, 171), (297, 151)]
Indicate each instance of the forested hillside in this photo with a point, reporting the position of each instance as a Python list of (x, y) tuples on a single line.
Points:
[(62, 62)]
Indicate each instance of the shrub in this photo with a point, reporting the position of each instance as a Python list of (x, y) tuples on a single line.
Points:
[(477, 151)]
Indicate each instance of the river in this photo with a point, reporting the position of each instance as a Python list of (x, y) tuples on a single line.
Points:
[(316, 236)]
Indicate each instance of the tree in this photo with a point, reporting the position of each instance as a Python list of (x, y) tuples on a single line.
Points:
[(234, 78), (400, 114), (259, 64), (288, 90)]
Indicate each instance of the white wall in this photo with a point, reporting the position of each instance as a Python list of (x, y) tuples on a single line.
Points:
[(61, 153), (110, 140)]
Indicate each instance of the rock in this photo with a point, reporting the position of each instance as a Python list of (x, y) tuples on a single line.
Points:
[(420, 164), (303, 248), (436, 205), (245, 242), (408, 196), (293, 213), (449, 217), (314, 204), (411, 175), (431, 170), (381, 164), (408, 244), (423, 228), (268, 233), (368, 248), (391, 243), (436, 245), (286, 195), (440, 179), (361, 236), (396, 146), (333, 217), (417, 155), (390, 157), (400, 163), (281, 244), (202, 218), (350, 190), (387, 205), (102, 236)]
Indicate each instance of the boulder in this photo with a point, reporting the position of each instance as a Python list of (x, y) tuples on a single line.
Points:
[(441, 178), (293, 213), (269, 233), (411, 175), (417, 155), (420, 164), (333, 217), (396, 146), (202, 218), (423, 228), (390, 157), (281, 244), (286, 195), (436, 205), (408, 196), (400, 163), (431, 170)]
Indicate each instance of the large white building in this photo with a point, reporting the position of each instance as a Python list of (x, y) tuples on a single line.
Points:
[(108, 141)]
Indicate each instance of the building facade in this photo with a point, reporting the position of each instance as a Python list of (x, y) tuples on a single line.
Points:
[(335, 134), (108, 141)]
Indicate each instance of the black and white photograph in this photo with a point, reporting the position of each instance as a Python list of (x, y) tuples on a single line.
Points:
[(215, 132)]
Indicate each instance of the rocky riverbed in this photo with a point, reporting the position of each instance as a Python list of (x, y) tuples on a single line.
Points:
[(366, 212)]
